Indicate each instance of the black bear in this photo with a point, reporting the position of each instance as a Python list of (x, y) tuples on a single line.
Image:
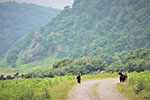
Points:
[(123, 76), (79, 77)]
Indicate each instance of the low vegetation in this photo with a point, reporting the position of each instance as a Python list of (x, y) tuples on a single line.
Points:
[(36, 88), (57, 88), (137, 87)]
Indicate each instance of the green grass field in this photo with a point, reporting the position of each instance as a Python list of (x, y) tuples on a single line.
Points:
[(57, 88), (35, 89)]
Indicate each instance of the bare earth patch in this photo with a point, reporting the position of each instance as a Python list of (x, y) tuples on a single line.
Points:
[(106, 90)]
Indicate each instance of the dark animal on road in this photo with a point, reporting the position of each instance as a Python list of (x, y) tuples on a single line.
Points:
[(79, 77), (123, 76)]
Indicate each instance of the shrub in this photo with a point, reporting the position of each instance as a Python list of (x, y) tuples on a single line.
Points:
[(140, 81)]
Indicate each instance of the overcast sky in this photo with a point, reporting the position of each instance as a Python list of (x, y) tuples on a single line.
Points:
[(60, 4)]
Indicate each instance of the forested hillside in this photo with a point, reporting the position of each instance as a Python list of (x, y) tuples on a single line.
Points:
[(97, 28), (138, 60), (17, 19)]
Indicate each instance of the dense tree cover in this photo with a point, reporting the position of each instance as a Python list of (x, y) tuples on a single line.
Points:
[(138, 60), (84, 65), (16, 19), (108, 29), (68, 66)]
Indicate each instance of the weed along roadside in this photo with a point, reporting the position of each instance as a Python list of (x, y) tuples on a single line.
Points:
[(137, 87), (36, 88)]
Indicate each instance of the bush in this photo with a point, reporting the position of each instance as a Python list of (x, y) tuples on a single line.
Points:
[(140, 81)]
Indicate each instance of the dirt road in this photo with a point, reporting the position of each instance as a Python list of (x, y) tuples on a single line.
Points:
[(106, 90)]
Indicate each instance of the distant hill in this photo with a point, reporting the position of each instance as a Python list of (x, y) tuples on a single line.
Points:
[(96, 28), (17, 19)]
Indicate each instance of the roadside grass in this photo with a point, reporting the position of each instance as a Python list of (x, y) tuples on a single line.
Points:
[(62, 91), (58, 88), (36, 88), (129, 92), (137, 87)]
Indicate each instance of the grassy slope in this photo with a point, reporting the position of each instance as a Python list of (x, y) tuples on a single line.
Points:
[(44, 64)]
